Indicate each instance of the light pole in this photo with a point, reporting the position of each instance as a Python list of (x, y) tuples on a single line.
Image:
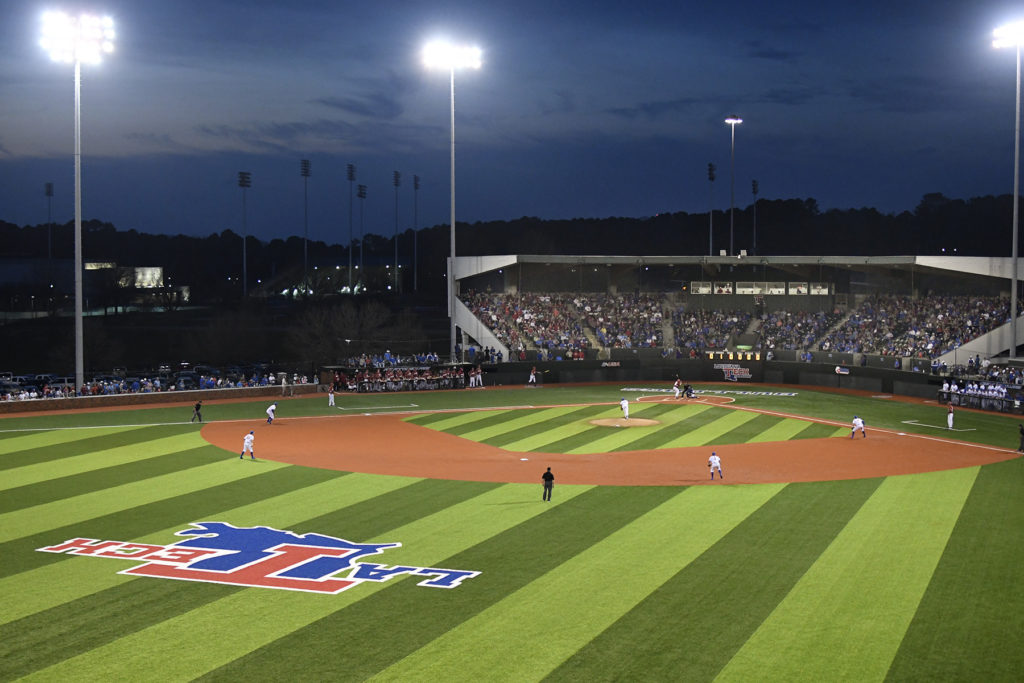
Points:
[(711, 210), (1012, 35), (48, 191), (244, 182), (732, 121), (449, 57), (305, 172), (361, 193), (351, 245), (75, 40), (753, 189), (415, 228), (398, 181)]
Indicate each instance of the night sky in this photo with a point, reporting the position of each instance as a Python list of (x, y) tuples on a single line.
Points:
[(581, 109)]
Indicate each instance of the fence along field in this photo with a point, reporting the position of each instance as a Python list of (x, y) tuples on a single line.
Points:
[(898, 576)]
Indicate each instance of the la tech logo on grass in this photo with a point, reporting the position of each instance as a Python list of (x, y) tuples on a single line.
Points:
[(259, 557)]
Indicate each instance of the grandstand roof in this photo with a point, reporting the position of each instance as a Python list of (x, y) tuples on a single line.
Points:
[(468, 266)]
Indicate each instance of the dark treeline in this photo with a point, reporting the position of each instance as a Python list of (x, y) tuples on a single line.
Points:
[(977, 227)]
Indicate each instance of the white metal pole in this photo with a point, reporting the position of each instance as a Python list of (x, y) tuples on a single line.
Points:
[(451, 260), (1016, 214), (79, 340)]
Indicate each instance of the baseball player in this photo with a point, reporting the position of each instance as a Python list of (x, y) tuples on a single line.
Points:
[(624, 404), (715, 463), (677, 387), (858, 424), (330, 396), (949, 416), (270, 412), (532, 382), (247, 445)]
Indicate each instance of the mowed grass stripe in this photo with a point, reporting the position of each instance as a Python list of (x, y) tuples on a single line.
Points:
[(88, 462), (98, 617), (824, 431), (21, 440), (845, 619), (210, 637), (612, 438), (300, 494), (42, 451), (498, 417), (57, 489), (683, 419), (130, 522), (783, 430), (724, 594), (526, 438), (574, 436), (750, 430), (451, 420), (326, 645), (513, 421), (713, 431), (596, 587), (28, 521), (969, 623)]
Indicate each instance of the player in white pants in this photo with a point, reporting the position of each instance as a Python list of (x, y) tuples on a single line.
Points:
[(247, 445), (624, 404), (858, 425), (270, 412), (678, 387), (715, 463)]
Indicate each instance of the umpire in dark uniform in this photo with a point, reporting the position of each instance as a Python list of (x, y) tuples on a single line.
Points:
[(549, 483), (197, 412)]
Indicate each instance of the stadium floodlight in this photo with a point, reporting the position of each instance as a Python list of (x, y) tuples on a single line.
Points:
[(85, 38), (732, 121), (442, 55), (1012, 35)]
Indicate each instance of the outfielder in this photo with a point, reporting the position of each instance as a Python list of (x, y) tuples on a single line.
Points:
[(949, 416), (270, 412), (858, 424), (247, 445), (715, 463), (624, 404)]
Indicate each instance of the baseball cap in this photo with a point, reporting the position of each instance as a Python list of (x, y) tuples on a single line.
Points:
[(252, 432)]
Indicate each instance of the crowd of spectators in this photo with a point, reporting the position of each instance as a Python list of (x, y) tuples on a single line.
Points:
[(112, 385), (547, 321), (390, 360), (373, 379), (623, 321), (923, 327), (698, 329), (794, 330)]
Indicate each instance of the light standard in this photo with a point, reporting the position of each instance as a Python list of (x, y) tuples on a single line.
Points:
[(449, 57), (398, 181), (351, 246), (415, 228), (244, 182), (1012, 35), (711, 210), (48, 191), (75, 40), (305, 172), (753, 189), (732, 121), (361, 193)]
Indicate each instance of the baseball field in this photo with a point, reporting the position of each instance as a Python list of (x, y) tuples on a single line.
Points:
[(403, 537)]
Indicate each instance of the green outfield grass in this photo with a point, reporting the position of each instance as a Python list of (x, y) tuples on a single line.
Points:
[(909, 577)]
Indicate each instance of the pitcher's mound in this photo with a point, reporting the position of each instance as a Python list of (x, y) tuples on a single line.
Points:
[(622, 422)]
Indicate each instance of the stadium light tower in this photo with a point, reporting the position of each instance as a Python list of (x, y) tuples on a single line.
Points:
[(244, 182), (85, 38), (732, 121), (305, 171), (440, 55), (351, 245), (1012, 35)]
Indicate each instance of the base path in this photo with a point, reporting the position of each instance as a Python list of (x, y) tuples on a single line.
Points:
[(384, 444)]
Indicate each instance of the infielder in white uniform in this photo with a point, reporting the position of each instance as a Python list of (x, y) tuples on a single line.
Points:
[(330, 396), (247, 445), (624, 404), (270, 412), (858, 424), (949, 416), (715, 463)]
